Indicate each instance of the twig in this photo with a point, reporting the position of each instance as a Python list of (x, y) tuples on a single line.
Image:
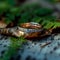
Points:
[(45, 44)]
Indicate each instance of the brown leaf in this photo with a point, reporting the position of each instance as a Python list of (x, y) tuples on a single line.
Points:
[(2, 24)]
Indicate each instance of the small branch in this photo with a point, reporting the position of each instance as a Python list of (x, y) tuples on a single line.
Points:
[(45, 44)]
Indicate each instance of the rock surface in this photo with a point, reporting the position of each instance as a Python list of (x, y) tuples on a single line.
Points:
[(32, 50)]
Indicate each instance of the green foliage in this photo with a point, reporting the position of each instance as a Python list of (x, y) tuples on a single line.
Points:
[(30, 12), (42, 11), (11, 2), (16, 43), (3, 7), (49, 22), (33, 13), (25, 13), (36, 19), (52, 1)]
